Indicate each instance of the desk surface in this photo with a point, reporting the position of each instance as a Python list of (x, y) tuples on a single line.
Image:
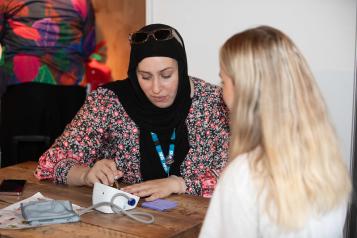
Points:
[(183, 221)]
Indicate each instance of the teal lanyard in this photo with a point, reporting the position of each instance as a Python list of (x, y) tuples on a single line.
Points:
[(165, 162)]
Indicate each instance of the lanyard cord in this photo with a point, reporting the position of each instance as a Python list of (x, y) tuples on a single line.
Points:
[(169, 159), (116, 209)]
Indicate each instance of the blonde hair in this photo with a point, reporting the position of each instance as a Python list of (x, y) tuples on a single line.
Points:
[(278, 108)]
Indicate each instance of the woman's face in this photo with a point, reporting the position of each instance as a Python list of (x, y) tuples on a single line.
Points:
[(228, 88), (158, 77)]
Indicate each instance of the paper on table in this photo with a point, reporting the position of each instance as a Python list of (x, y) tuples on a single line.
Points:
[(11, 217)]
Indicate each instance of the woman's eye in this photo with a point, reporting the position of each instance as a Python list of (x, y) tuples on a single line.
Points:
[(146, 77), (166, 76)]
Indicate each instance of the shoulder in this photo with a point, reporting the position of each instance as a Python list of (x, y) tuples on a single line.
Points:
[(102, 93), (207, 96), (239, 166), (103, 96), (205, 89), (237, 177)]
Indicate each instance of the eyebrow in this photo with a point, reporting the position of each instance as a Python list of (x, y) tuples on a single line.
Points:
[(143, 71)]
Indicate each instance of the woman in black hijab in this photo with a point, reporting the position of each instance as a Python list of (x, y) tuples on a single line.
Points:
[(159, 126)]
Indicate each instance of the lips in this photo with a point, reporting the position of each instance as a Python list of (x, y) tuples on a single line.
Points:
[(159, 99)]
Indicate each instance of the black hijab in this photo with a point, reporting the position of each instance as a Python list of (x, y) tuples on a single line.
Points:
[(146, 115)]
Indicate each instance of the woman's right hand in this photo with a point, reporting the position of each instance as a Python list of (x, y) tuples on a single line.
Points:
[(104, 171)]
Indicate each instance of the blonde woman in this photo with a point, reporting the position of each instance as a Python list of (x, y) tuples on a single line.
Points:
[(286, 177)]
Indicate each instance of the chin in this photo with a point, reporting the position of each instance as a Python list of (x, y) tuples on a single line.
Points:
[(162, 104)]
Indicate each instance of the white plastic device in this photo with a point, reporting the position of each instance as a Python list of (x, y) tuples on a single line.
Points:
[(104, 193)]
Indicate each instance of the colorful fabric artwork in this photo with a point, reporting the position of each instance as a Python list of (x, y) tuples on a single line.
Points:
[(47, 41)]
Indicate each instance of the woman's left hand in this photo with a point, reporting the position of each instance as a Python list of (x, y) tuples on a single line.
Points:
[(158, 188)]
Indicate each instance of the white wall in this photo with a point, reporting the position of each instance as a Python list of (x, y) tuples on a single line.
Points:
[(324, 30)]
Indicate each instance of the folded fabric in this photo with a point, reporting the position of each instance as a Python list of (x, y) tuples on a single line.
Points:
[(160, 204), (49, 212)]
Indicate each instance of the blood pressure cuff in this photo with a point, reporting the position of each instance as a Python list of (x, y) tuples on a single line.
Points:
[(48, 212)]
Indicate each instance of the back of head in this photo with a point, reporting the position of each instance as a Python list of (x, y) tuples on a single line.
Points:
[(278, 107)]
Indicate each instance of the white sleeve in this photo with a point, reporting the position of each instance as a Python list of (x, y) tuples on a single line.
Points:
[(233, 211)]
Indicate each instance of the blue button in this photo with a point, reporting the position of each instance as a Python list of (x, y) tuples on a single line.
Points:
[(131, 201)]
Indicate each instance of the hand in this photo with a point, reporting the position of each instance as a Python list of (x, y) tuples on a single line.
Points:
[(158, 188), (104, 171)]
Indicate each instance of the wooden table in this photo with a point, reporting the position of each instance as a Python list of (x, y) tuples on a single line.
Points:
[(183, 221)]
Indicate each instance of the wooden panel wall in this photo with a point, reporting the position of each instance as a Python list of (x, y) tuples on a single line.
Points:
[(115, 19)]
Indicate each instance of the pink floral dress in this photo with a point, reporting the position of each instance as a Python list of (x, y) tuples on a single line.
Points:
[(103, 130)]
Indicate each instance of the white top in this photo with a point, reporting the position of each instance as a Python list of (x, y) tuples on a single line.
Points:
[(234, 211)]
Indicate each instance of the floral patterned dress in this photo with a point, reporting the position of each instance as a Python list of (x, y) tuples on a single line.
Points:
[(103, 130)]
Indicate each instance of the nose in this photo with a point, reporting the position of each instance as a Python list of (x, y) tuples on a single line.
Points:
[(156, 86)]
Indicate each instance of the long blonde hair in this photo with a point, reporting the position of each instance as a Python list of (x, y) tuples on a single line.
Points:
[(278, 108)]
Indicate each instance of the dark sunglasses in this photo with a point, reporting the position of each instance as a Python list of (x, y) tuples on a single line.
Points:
[(158, 35)]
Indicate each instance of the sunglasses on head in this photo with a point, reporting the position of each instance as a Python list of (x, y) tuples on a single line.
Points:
[(158, 35)]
